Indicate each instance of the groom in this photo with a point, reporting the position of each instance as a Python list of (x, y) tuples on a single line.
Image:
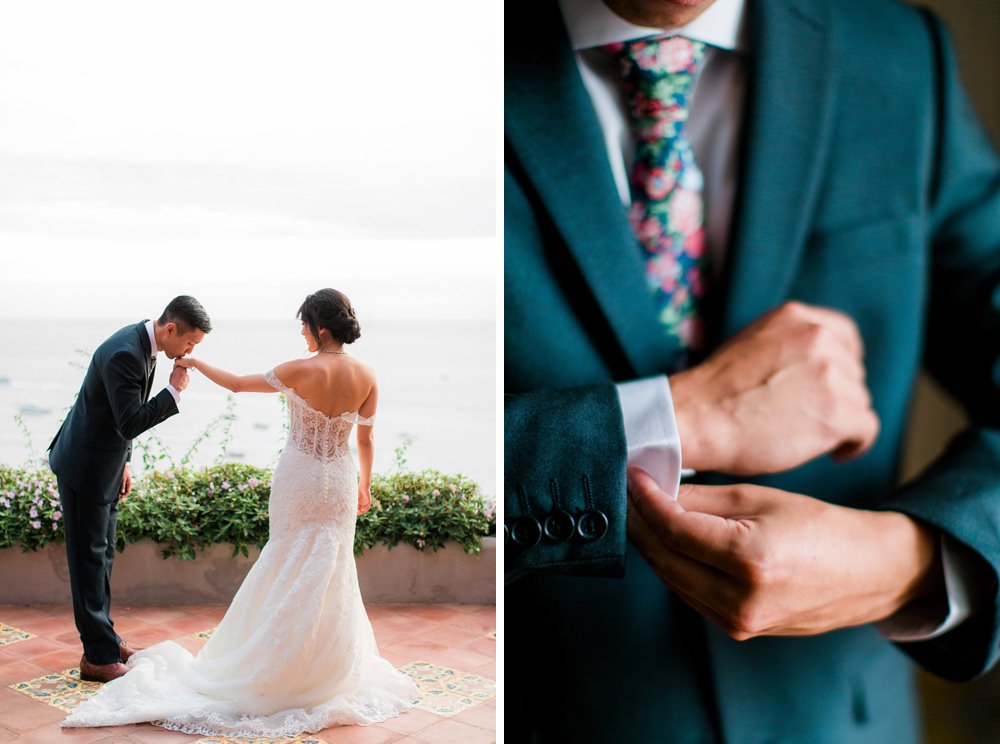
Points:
[(90, 456)]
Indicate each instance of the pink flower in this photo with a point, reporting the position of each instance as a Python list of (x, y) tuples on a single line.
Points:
[(658, 183), (55, 527), (435, 492), (56, 515), (32, 512), (645, 55), (421, 544), (644, 107), (663, 272), (663, 126), (36, 524), (694, 244), (674, 54), (685, 211), (649, 230), (405, 499)]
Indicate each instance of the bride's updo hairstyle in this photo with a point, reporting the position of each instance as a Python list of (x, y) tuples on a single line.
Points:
[(330, 309)]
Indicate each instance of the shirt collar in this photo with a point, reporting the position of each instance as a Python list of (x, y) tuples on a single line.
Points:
[(591, 23), (152, 338)]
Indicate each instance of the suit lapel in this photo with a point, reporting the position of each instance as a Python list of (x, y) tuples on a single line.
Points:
[(787, 126), (147, 351), (553, 132)]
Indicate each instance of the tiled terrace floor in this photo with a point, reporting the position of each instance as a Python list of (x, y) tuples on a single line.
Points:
[(450, 651)]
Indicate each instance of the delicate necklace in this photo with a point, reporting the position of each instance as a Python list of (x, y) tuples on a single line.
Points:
[(324, 351)]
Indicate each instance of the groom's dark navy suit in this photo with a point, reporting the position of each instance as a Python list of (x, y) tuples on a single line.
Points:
[(88, 456), (866, 185)]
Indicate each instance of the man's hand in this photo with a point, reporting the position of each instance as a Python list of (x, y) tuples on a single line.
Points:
[(126, 488), (179, 378), (788, 388), (759, 561)]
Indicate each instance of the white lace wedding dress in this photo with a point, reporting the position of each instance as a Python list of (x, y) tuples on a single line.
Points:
[(295, 651)]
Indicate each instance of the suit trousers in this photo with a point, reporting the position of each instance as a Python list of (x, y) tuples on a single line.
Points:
[(90, 551)]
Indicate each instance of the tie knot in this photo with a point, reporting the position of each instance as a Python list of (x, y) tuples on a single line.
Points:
[(658, 74), (658, 57)]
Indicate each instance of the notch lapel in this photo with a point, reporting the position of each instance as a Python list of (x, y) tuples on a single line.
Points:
[(551, 127), (147, 350), (788, 122)]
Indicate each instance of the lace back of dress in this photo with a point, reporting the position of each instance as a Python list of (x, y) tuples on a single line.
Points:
[(312, 431)]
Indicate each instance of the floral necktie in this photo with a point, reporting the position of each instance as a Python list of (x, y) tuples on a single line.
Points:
[(665, 183)]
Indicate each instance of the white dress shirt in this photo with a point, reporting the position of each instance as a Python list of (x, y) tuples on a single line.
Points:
[(154, 351), (713, 128)]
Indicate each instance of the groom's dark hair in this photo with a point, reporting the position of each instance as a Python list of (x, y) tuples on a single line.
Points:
[(186, 313)]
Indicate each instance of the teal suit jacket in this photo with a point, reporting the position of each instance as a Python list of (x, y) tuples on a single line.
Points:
[(866, 184)]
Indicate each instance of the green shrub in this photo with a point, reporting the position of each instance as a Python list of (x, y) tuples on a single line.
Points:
[(186, 509), (424, 510)]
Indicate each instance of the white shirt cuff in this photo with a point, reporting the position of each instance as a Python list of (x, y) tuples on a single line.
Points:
[(177, 396), (924, 622), (651, 435)]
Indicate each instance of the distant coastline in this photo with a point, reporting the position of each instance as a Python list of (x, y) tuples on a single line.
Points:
[(436, 389)]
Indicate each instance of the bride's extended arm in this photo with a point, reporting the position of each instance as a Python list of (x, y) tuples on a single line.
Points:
[(228, 380), (366, 451)]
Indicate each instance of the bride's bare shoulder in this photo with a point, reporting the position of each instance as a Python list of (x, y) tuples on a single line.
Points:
[(292, 371), (364, 369)]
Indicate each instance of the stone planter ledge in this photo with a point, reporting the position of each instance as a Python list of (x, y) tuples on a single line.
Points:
[(142, 576)]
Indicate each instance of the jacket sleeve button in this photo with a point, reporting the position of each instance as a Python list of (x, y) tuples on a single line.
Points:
[(526, 532), (592, 525), (559, 526)]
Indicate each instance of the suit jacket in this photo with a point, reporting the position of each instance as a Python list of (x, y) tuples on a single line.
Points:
[(866, 184), (93, 444)]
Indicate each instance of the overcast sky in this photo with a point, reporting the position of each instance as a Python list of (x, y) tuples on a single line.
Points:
[(242, 151)]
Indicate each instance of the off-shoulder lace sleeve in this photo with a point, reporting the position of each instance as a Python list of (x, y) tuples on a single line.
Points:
[(356, 418), (272, 379)]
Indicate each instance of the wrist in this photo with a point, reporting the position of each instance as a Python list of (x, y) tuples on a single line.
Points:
[(912, 550), (697, 424)]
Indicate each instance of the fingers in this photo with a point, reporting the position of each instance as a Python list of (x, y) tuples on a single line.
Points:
[(857, 447), (701, 535), (840, 325), (851, 416), (703, 587)]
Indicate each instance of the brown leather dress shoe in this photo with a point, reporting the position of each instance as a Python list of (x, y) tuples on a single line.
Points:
[(126, 651), (101, 672)]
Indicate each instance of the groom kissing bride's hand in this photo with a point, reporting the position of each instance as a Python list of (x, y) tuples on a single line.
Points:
[(179, 376)]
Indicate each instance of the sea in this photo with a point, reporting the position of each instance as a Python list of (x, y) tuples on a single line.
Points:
[(437, 392)]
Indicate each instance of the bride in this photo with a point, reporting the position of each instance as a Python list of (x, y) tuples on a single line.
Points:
[(295, 651)]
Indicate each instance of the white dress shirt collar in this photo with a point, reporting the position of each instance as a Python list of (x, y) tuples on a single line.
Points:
[(591, 23), (152, 338)]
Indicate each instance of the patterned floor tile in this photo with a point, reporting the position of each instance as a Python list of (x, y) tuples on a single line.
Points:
[(10, 634), (63, 690), (230, 740), (446, 691)]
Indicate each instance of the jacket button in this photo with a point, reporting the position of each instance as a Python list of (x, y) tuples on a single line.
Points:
[(559, 525), (526, 532), (592, 525)]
